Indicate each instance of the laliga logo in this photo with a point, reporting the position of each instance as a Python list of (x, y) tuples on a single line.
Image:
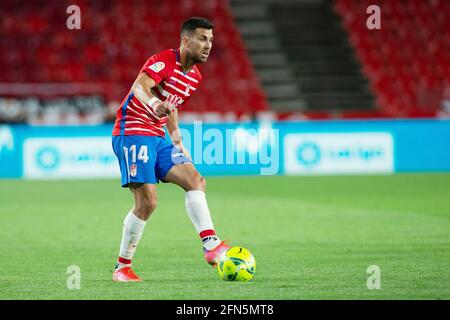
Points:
[(6, 139)]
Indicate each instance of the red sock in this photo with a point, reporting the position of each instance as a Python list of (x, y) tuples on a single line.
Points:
[(207, 233), (124, 261)]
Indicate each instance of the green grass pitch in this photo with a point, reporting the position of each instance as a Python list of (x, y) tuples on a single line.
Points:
[(312, 237)]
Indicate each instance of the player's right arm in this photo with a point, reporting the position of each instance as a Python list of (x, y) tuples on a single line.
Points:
[(141, 90)]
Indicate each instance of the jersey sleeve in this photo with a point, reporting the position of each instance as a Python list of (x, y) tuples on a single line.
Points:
[(158, 66)]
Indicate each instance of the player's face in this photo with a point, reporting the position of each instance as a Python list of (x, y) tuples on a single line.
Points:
[(200, 44)]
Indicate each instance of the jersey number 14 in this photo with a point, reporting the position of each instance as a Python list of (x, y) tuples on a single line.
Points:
[(141, 155)]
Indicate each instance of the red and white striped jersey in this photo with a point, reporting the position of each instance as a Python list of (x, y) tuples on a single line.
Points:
[(135, 118)]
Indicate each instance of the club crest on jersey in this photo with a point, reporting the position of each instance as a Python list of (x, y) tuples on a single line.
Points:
[(157, 66), (133, 170)]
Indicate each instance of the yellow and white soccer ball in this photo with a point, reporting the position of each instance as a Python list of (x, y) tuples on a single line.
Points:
[(236, 264)]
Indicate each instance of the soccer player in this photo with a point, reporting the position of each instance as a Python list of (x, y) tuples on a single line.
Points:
[(165, 82)]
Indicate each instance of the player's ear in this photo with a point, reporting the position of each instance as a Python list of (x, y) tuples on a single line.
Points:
[(184, 38), (187, 40), (183, 41)]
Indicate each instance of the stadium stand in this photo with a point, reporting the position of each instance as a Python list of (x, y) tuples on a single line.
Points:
[(303, 57), (116, 38), (283, 59), (322, 55), (408, 60)]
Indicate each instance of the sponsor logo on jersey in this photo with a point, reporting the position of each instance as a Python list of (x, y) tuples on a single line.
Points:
[(157, 66), (174, 100)]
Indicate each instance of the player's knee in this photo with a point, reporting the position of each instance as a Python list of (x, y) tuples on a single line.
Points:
[(197, 182), (146, 206), (203, 184), (151, 204)]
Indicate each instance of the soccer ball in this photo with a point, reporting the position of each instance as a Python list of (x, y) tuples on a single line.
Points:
[(236, 264)]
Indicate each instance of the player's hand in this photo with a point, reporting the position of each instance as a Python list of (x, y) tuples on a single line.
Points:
[(163, 109)]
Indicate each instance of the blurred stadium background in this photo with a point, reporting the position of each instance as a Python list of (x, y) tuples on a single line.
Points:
[(343, 98), (291, 59)]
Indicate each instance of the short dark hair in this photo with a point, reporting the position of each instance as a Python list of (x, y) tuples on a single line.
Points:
[(189, 25)]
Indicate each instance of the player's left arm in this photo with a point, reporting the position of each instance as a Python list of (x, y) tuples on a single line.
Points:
[(174, 132)]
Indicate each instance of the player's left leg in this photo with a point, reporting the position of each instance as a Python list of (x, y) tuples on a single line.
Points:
[(186, 176)]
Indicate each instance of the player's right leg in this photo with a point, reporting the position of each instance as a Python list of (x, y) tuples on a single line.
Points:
[(136, 156), (133, 227)]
